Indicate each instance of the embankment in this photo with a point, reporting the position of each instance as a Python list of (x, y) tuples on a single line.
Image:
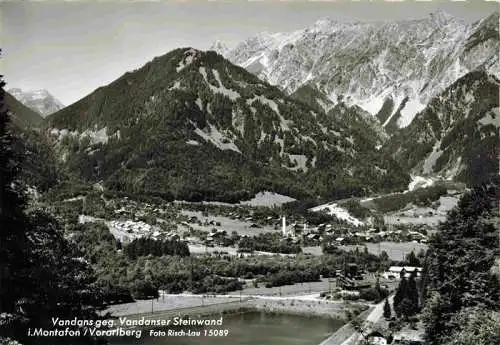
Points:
[(309, 307)]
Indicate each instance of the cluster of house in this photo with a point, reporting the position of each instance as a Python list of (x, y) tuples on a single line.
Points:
[(374, 235), (128, 230), (134, 210), (396, 272), (348, 235), (216, 235)]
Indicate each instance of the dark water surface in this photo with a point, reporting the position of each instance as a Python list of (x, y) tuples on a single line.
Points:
[(251, 328)]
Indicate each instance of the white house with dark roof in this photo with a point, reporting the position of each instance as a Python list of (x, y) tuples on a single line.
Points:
[(394, 272)]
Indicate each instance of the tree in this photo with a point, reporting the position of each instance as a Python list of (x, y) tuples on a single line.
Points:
[(476, 326), (401, 293), (406, 297), (412, 293), (405, 308), (379, 222), (412, 259), (13, 239), (387, 309), (457, 269), (40, 274)]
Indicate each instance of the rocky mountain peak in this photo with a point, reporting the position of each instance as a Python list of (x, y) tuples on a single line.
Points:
[(40, 101), (365, 64), (441, 17), (219, 47)]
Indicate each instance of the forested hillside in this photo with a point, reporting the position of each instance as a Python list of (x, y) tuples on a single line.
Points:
[(456, 136), (190, 125), (461, 281)]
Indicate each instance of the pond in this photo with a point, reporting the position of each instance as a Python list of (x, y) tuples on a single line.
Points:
[(249, 328)]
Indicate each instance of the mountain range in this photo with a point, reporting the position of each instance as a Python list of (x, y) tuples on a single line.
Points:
[(329, 112), (40, 101), (392, 69), (191, 125)]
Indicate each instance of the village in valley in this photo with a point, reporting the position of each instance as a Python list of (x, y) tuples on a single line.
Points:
[(383, 248), (309, 177)]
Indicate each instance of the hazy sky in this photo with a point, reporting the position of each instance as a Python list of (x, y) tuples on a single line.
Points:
[(71, 48)]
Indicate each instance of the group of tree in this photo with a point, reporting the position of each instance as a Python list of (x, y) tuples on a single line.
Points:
[(41, 274), (461, 288), (268, 242), (421, 197), (289, 277), (415, 260), (375, 293), (406, 299), (148, 246)]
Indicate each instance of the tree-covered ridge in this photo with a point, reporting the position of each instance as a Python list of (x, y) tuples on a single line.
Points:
[(456, 135), (191, 125), (314, 98), (460, 288), (365, 130), (22, 116), (38, 166)]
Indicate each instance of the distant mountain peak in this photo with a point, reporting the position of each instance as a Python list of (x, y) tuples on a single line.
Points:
[(441, 16), (324, 24), (39, 100), (219, 47)]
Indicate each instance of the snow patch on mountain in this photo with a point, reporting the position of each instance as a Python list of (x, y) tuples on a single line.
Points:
[(176, 86), (193, 142), (326, 107), (214, 136), (300, 160), (492, 118), (274, 107), (411, 108), (454, 170), (189, 56), (199, 103), (264, 100), (233, 95), (419, 182), (373, 105), (431, 159)]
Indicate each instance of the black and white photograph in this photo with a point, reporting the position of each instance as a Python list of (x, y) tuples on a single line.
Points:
[(249, 172)]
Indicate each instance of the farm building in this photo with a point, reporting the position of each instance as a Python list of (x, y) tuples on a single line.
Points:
[(395, 272), (411, 337), (376, 338)]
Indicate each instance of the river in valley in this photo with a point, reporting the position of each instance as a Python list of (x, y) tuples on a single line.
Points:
[(250, 328)]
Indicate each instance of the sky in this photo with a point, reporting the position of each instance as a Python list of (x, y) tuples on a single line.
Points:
[(72, 48)]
